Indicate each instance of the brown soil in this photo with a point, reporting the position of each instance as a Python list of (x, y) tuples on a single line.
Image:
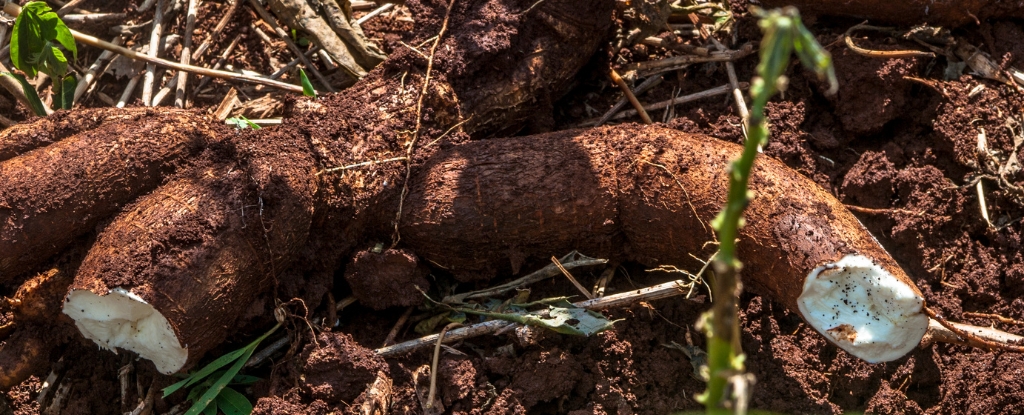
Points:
[(902, 149)]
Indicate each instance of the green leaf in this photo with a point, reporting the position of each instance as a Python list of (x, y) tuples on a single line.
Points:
[(219, 363), (218, 386), (241, 123), (307, 87), (32, 49), (65, 96), (33, 98), (27, 38), (233, 403), (52, 62), (244, 380), (578, 321), (210, 410), (205, 371)]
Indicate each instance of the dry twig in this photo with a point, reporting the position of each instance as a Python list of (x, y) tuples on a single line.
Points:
[(154, 51), (186, 55), (656, 292), (572, 279), (643, 87), (629, 95)]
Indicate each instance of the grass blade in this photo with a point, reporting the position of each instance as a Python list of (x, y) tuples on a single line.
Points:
[(307, 87), (233, 403)]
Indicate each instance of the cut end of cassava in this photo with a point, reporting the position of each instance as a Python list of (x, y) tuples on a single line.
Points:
[(124, 320), (863, 309)]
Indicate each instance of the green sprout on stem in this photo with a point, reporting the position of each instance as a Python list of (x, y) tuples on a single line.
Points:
[(784, 34), (36, 46)]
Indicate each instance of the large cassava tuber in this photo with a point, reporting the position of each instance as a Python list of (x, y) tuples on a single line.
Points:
[(206, 221), (647, 194)]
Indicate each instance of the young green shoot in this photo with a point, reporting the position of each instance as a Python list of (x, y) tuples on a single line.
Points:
[(307, 87), (784, 34), (36, 46)]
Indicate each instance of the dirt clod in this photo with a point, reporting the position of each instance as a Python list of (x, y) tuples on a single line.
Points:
[(337, 369), (391, 278)]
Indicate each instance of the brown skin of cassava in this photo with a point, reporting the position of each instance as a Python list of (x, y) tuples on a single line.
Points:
[(52, 195), (629, 192), (219, 215)]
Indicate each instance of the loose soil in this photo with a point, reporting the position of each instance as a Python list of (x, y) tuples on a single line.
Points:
[(901, 150)]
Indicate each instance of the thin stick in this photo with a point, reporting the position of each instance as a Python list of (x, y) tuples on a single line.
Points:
[(14, 10), (433, 364), (363, 164), (398, 326), (656, 292), (94, 69), (737, 93), (68, 7), (629, 95), (94, 18), (291, 45), (643, 87), (571, 279), (128, 89), (396, 236), (374, 13), (186, 54), (724, 89), (154, 50), (571, 260)]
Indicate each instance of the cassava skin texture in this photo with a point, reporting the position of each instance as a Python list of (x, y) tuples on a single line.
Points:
[(51, 195), (907, 12), (37, 333), (605, 194), (202, 248), (21, 138)]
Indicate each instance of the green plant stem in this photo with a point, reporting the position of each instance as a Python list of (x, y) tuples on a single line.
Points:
[(784, 34)]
